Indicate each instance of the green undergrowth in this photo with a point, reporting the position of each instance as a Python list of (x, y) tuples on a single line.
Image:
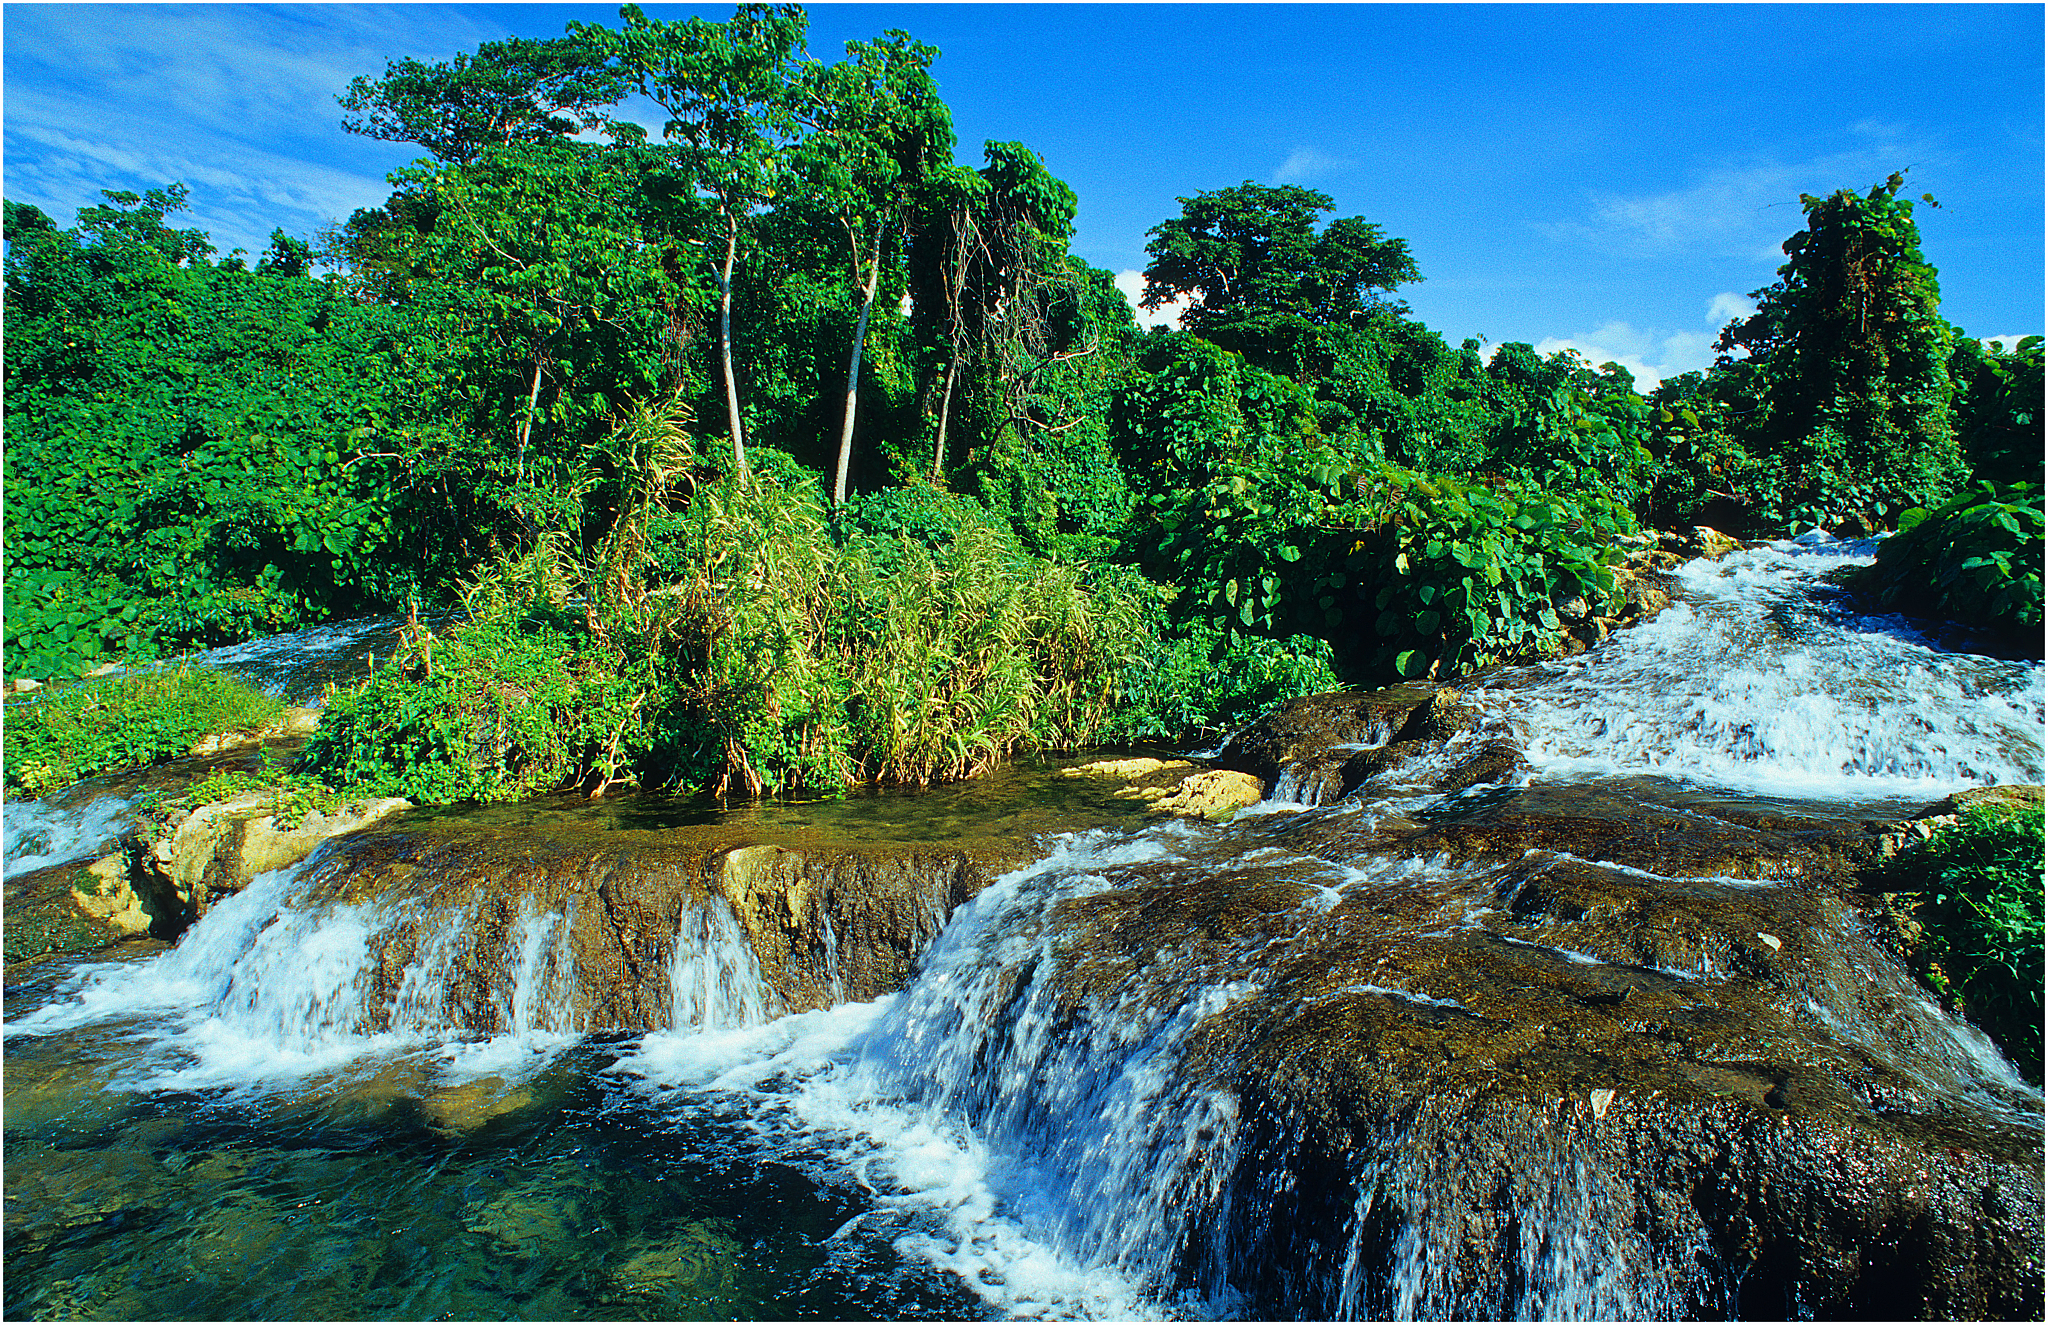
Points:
[(288, 797), (1976, 561), (64, 733), (744, 639), (1979, 883)]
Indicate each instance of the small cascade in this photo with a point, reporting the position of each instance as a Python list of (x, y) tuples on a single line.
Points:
[(43, 833), (1111, 1138), (1764, 679), (714, 977), (291, 975)]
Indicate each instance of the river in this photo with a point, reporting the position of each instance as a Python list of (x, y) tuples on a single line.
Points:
[(1166, 1069)]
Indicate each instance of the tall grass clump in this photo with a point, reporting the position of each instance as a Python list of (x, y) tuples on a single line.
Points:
[(64, 733), (903, 656)]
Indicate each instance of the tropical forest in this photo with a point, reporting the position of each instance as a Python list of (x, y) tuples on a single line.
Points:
[(849, 777)]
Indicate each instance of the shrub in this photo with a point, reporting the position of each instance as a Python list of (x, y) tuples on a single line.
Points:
[(1976, 561), (507, 705), (1208, 682), (1980, 912), (1465, 575), (77, 731)]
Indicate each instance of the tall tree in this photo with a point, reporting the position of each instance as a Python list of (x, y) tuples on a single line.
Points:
[(990, 247), (1853, 356), (879, 128), (553, 292), (516, 90), (1253, 252), (725, 88)]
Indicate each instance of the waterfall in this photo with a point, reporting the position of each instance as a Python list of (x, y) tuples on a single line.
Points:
[(714, 978)]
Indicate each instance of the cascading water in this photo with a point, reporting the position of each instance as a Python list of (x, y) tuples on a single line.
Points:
[(1763, 678), (1410, 1054)]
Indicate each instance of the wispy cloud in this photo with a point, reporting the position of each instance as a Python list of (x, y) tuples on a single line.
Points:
[(1308, 163), (1738, 211), (237, 102), (1131, 283)]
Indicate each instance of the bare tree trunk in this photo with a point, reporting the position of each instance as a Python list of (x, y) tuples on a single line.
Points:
[(945, 409), (526, 428), (860, 336), (732, 384), (963, 228)]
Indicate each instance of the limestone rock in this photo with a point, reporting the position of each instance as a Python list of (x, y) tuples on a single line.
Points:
[(216, 849), (1175, 786), (1509, 1044), (102, 890), (1216, 793)]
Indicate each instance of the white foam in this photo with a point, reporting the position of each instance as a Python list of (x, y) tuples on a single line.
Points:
[(40, 834), (1762, 681)]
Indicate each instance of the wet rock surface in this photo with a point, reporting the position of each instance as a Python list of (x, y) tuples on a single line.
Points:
[(1691, 1060), (831, 913), (1608, 1047)]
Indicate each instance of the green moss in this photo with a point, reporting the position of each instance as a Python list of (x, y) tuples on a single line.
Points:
[(64, 733)]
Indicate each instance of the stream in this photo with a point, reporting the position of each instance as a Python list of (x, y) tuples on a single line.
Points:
[(1603, 1040)]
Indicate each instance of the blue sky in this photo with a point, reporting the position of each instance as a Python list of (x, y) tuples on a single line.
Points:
[(1612, 177)]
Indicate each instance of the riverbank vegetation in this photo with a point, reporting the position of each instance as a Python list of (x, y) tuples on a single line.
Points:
[(65, 733), (1978, 888), (781, 450)]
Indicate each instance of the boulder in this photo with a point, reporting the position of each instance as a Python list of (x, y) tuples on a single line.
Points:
[(1318, 726), (186, 863), (1169, 787), (103, 891)]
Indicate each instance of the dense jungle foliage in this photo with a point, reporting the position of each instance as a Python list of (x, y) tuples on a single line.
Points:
[(784, 450)]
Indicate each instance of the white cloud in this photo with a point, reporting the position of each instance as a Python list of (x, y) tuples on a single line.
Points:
[(1653, 355), (1728, 307), (2007, 341), (1306, 163), (1132, 284)]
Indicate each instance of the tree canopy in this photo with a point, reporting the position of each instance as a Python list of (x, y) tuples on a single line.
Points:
[(1253, 251)]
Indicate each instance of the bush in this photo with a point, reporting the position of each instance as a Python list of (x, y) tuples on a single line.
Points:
[(63, 734), (1207, 683), (507, 705), (895, 657), (1975, 561), (1980, 913), (1465, 575)]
